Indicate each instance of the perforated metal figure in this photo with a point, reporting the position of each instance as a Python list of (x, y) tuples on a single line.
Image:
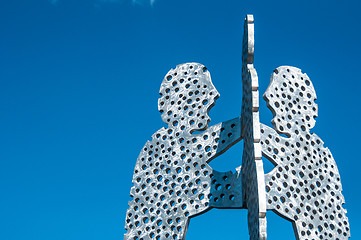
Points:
[(172, 179), (305, 186)]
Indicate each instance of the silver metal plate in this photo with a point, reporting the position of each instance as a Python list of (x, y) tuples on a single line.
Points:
[(172, 179), (305, 186), (173, 182)]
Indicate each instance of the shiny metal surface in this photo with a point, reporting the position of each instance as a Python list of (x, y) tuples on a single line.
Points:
[(305, 186), (252, 166), (172, 179)]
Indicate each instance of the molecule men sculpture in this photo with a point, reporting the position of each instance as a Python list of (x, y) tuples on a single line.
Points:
[(173, 181)]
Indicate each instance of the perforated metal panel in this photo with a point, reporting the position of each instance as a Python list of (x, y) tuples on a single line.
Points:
[(305, 186), (173, 182), (172, 179)]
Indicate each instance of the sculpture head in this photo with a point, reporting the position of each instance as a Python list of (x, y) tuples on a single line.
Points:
[(291, 98), (187, 95)]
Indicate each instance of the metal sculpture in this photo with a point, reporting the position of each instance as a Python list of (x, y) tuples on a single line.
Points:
[(172, 179), (173, 182), (252, 165), (305, 186)]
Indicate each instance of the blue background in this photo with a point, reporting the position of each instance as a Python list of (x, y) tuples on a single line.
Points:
[(79, 83)]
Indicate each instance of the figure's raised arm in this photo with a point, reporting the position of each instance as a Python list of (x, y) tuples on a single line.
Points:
[(218, 138), (268, 137)]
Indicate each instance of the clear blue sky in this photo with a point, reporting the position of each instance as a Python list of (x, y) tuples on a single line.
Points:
[(79, 83)]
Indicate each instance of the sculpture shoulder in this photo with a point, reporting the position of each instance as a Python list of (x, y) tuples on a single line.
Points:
[(324, 153), (266, 128), (157, 137), (268, 132)]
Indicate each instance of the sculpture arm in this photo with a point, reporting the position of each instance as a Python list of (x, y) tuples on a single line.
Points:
[(220, 137), (268, 150)]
